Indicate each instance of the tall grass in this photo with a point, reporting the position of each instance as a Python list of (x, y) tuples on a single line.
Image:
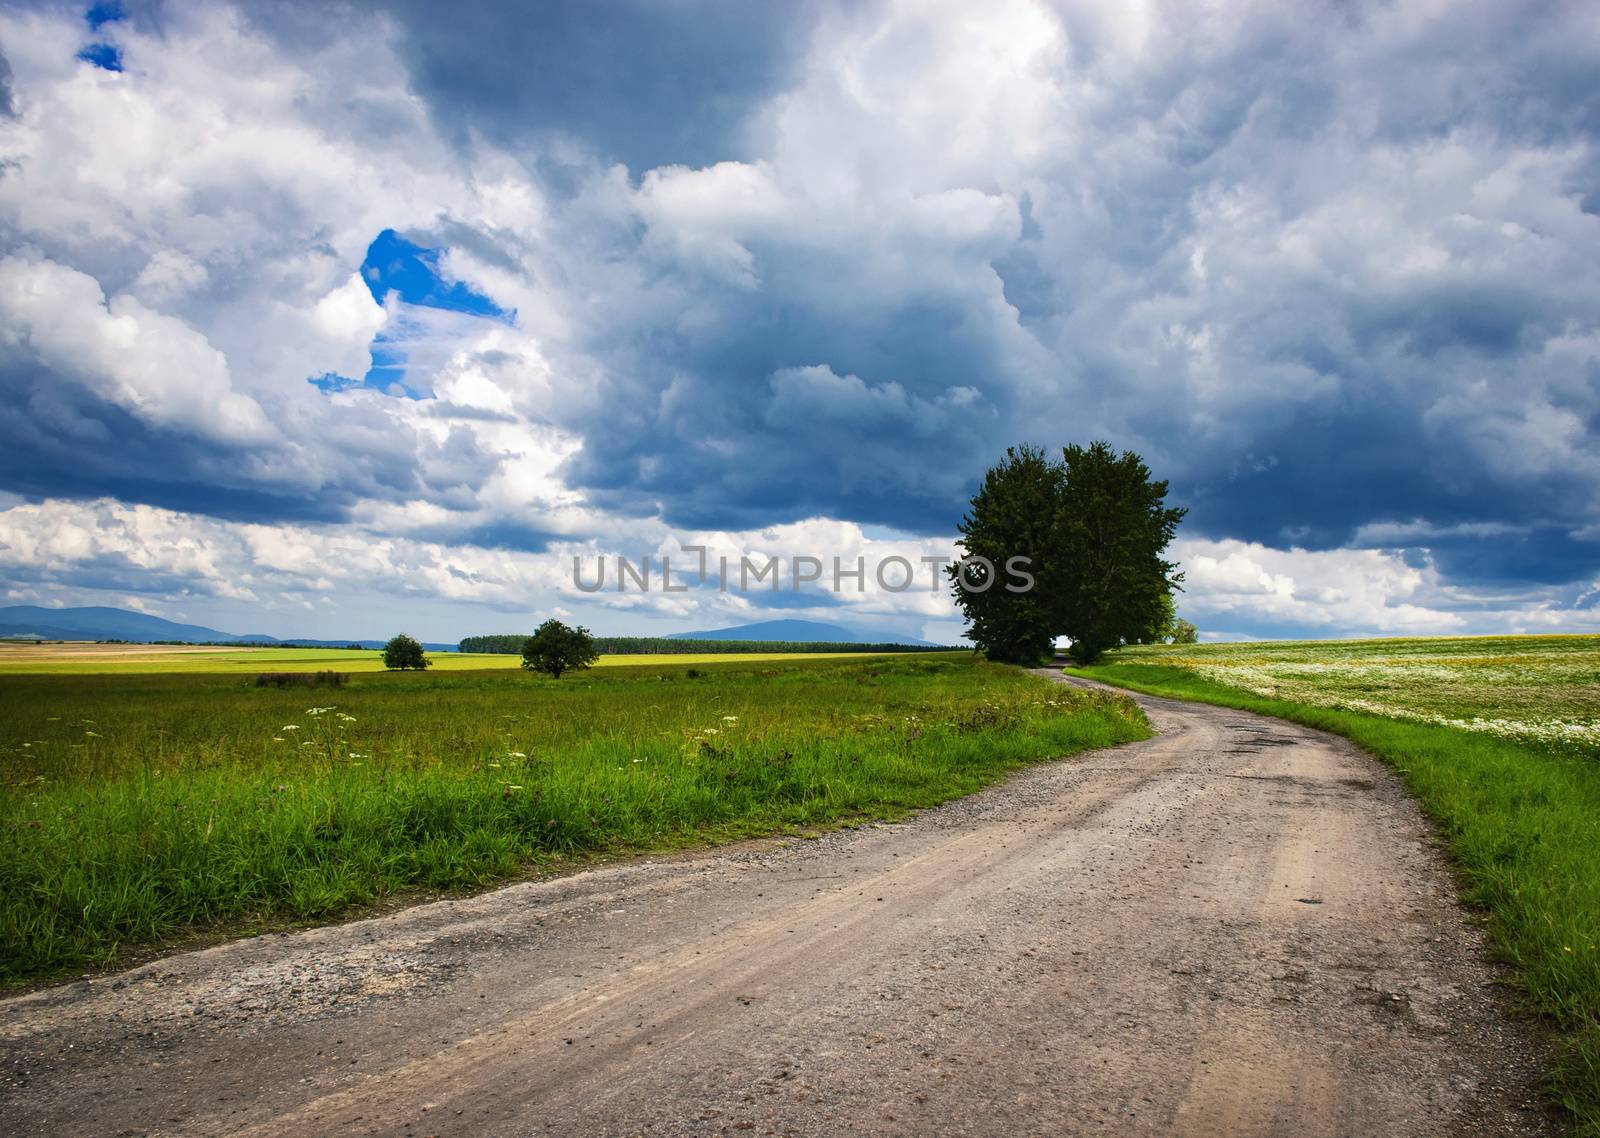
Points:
[(1523, 823), (136, 807)]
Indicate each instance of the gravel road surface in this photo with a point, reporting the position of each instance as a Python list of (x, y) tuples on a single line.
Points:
[(1239, 927)]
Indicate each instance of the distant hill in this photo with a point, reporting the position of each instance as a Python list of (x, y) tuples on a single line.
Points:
[(24, 621), (33, 622), (797, 631)]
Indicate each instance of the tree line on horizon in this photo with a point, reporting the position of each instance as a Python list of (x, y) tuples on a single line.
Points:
[(511, 644)]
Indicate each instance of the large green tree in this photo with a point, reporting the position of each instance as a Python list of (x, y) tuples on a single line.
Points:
[(555, 648), (1112, 526), (402, 653), (1012, 516), (1066, 548)]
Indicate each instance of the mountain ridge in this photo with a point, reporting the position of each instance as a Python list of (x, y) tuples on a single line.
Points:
[(102, 622)]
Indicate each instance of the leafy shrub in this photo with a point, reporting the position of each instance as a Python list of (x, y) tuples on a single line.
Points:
[(555, 648), (402, 653), (301, 679)]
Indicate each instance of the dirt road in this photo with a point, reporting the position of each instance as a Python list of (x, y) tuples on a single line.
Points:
[(1238, 927)]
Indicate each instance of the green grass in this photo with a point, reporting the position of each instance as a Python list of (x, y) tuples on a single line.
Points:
[(137, 807), (1530, 689), (128, 659), (1521, 812)]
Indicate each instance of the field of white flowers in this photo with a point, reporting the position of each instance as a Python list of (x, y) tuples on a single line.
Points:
[(1534, 689)]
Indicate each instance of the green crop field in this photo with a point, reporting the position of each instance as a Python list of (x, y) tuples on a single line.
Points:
[(138, 808), (1499, 739), (145, 659)]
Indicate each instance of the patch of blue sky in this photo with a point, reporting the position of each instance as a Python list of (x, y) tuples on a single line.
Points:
[(406, 277), (99, 15), (388, 370), (411, 271), (387, 373), (106, 56)]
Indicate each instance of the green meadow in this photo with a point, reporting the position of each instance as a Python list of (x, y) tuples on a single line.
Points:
[(142, 808), (1499, 739), (146, 659)]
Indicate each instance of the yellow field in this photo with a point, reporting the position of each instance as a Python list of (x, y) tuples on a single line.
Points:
[(68, 658)]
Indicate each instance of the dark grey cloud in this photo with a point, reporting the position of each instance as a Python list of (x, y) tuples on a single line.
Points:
[(1364, 392), (118, 574), (60, 440), (643, 82), (783, 408), (1543, 555), (1333, 271), (510, 535), (8, 105)]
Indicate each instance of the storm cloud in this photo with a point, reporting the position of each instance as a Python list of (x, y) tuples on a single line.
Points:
[(715, 268)]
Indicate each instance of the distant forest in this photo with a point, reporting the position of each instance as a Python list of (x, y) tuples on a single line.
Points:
[(661, 646)]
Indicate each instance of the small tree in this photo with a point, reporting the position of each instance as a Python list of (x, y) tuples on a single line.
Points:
[(1184, 632), (402, 652), (555, 648)]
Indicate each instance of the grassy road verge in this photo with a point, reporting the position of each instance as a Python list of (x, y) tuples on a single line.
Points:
[(1523, 822), (137, 807)]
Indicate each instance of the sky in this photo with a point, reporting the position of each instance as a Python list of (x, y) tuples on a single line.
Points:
[(336, 320)]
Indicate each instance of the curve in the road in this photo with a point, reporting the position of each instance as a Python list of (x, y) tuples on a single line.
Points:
[(1240, 926)]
